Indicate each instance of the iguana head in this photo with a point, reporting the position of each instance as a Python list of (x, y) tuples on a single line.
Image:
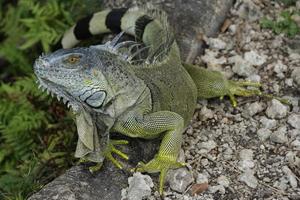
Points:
[(73, 75), (94, 78)]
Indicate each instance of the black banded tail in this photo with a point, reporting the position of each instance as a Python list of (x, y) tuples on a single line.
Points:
[(148, 26)]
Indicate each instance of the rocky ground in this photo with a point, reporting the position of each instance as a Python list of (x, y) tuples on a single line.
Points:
[(248, 152)]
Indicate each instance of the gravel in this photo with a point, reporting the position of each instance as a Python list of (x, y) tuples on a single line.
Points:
[(252, 151)]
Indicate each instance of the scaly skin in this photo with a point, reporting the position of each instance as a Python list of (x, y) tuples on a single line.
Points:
[(148, 99)]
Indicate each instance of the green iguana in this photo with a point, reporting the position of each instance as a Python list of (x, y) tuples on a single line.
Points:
[(143, 93)]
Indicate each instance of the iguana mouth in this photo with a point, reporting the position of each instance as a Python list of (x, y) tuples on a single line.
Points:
[(52, 89)]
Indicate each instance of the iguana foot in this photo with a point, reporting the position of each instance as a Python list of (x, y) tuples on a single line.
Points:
[(110, 149), (237, 88), (159, 164)]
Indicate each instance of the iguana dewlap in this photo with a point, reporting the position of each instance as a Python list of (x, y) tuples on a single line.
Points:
[(112, 90)]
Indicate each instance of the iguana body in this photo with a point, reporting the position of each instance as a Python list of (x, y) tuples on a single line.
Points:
[(110, 92)]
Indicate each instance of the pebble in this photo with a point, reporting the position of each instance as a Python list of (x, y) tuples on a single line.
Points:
[(294, 120), (241, 66), (179, 179), (248, 10), (254, 58), (201, 178), (290, 176), (206, 113), (249, 178), (139, 187), (216, 43), (246, 159), (223, 180), (276, 110), (206, 147), (263, 134), (280, 69), (212, 59), (296, 75), (268, 123), (254, 108), (296, 144), (279, 136), (216, 188)]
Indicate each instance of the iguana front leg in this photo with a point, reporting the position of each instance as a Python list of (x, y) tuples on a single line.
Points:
[(168, 124)]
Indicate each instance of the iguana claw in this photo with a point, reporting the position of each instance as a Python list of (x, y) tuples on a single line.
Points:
[(112, 149), (238, 88)]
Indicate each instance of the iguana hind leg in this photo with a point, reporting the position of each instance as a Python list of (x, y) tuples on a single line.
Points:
[(163, 123), (212, 84)]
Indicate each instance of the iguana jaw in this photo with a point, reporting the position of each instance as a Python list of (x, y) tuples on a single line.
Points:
[(54, 90)]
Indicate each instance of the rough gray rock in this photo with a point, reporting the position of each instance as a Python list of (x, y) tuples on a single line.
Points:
[(254, 108), (254, 58), (276, 110), (279, 136), (294, 120), (263, 134), (179, 179), (290, 176), (139, 187), (241, 66), (268, 123), (106, 184), (249, 178), (248, 10), (296, 75)]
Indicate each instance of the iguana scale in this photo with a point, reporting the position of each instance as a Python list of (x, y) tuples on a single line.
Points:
[(110, 90)]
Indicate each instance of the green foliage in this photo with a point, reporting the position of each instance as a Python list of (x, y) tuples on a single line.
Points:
[(285, 24), (34, 136), (37, 135)]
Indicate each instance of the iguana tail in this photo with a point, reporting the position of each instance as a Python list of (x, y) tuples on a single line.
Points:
[(150, 26)]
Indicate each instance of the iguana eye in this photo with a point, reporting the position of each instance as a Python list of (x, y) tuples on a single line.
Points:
[(73, 59)]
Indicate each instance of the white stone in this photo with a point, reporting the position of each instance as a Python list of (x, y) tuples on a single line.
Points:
[(216, 43), (268, 123), (212, 59), (296, 144), (179, 179), (139, 187), (280, 69), (296, 75), (276, 110), (216, 188), (254, 58), (263, 134), (241, 66), (294, 120), (249, 178), (223, 180), (290, 176), (201, 178), (279, 136), (206, 147), (254, 108)]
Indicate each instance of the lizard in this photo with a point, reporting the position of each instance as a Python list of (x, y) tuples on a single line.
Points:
[(110, 90)]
